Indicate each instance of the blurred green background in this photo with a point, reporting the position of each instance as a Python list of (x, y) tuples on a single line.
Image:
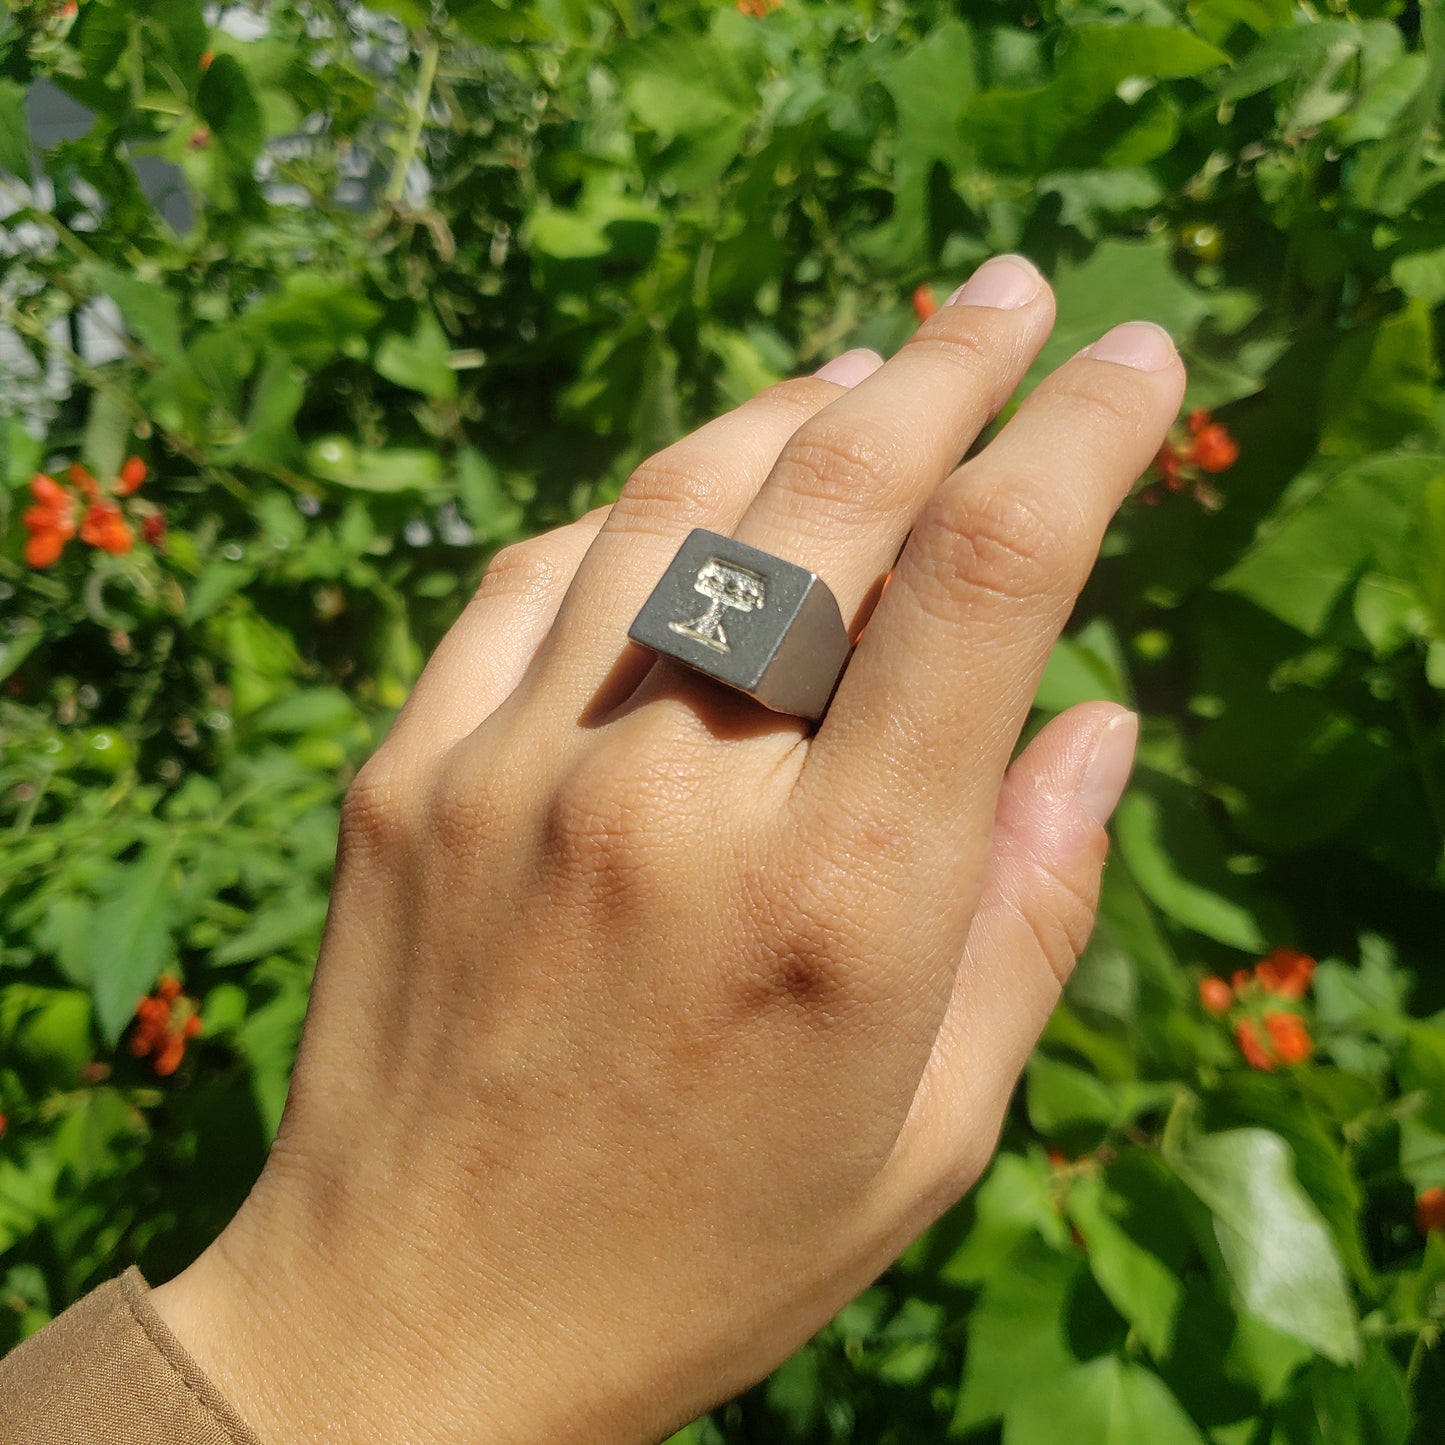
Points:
[(367, 293)]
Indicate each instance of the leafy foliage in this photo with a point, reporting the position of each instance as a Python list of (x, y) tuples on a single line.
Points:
[(431, 281)]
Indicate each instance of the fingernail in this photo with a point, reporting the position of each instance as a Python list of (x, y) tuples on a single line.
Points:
[(850, 368), (1107, 771), (1006, 282), (1140, 344)]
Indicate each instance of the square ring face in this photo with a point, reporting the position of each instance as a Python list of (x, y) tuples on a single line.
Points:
[(754, 621)]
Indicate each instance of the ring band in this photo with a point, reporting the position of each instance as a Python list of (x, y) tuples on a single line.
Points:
[(755, 622)]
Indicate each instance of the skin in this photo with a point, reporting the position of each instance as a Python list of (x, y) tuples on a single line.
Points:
[(650, 1026)]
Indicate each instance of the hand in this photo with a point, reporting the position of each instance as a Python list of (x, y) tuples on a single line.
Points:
[(648, 1028)]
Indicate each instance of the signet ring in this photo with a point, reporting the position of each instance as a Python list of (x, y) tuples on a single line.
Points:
[(752, 621)]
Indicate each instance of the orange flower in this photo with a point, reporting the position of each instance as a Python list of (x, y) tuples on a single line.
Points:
[(1214, 449), (164, 1022), (1215, 995), (1290, 1036), (51, 523), (132, 477), (758, 9), (49, 493), (1256, 1055), (104, 527), (81, 478), (1286, 973), (43, 549), (1430, 1209), (1241, 978), (924, 302)]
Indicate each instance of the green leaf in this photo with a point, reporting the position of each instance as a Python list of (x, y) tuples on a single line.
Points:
[(1136, 1282), (107, 433), (930, 85), (1296, 52), (1014, 1201), (1018, 1338), (152, 313), (1087, 667), (132, 938), (1061, 1097), (386, 469), (1117, 279), (1163, 840), (679, 84), (22, 451), (1023, 130), (1361, 518), (288, 923), (229, 107), (1421, 275), (1106, 1402), (420, 362), (1378, 389), (313, 318), (1275, 1246), (1429, 549), (14, 130)]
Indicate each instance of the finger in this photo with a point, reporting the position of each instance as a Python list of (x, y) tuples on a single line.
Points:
[(705, 480), (850, 482), (1034, 916), (931, 704), (487, 649)]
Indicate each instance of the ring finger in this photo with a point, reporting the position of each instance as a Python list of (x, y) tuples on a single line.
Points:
[(704, 480)]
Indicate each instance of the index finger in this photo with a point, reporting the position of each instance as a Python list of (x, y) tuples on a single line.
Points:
[(923, 724)]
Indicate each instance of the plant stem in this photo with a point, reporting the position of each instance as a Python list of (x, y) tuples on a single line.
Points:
[(411, 141)]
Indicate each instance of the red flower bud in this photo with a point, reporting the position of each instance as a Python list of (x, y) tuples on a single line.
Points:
[(48, 492), (1256, 1055), (1214, 449), (132, 476), (1290, 1036), (1286, 973), (924, 303), (1430, 1209), (1216, 995), (43, 549)]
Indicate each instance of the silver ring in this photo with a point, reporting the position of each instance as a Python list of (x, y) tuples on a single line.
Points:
[(755, 622)]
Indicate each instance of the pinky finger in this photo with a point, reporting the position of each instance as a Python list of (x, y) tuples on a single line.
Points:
[(1034, 916)]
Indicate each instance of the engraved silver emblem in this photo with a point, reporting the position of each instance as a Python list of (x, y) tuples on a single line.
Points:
[(729, 587)]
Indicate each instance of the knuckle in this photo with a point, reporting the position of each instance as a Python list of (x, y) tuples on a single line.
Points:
[(954, 339), (475, 800), (1110, 396), (522, 570), (611, 819), (799, 396), (1004, 544), (377, 813), (1058, 912), (678, 487), (841, 462)]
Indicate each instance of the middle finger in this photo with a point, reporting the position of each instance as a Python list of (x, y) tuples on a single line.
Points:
[(847, 488)]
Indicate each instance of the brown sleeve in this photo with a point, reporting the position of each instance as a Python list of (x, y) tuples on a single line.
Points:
[(109, 1372)]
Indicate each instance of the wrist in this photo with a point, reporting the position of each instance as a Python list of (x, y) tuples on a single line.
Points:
[(308, 1349)]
